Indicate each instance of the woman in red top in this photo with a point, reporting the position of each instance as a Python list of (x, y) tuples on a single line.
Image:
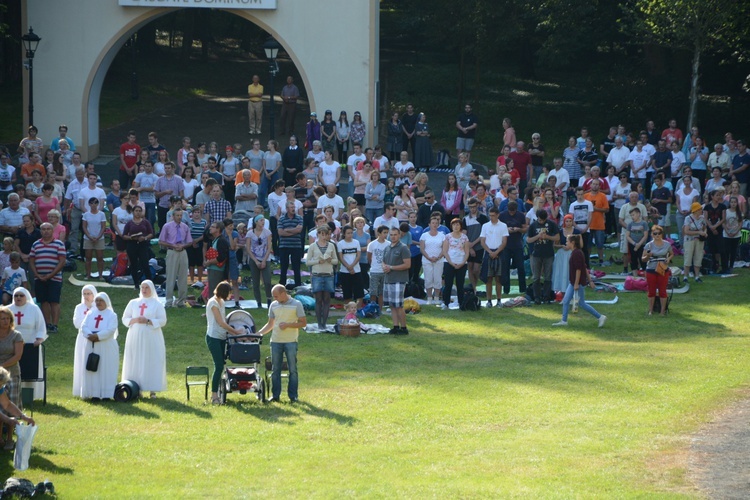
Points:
[(578, 279)]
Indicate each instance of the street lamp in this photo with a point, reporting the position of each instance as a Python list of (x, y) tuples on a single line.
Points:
[(30, 42), (271, 48)]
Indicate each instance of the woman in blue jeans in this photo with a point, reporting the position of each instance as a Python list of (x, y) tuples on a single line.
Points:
[(579, 278), (216, 334)]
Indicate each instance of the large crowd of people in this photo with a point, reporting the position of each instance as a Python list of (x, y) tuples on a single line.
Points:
[(370, 219)]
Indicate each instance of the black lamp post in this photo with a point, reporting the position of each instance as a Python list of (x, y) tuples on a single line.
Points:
[(271, 47), (30, 42)]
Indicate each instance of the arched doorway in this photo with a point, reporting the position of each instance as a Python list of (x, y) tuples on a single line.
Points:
[(75, 67)]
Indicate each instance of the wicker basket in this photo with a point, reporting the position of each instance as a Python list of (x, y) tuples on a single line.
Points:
[(349, 330)]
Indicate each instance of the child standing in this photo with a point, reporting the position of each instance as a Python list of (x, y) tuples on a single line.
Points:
[(94, 223), (7, 251), (13, 277), (637, 235)]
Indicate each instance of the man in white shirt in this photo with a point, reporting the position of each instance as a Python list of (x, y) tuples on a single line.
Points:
[(638, 160), (246, 194), (582, 211), (354, 158), (331, 199), (11, 218), (493, 238), (73, 208), (618, 156), (401, 168), (91, 191), (562, 175), (678, 160), (387, 219)]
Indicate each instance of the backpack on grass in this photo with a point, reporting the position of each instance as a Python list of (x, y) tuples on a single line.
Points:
[(470, 302)]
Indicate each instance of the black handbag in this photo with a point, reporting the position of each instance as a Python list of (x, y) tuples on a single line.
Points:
[(92, 362)]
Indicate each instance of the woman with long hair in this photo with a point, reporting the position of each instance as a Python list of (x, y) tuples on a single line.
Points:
[(452, 198), (732, 228), (258, 249), (358, 129), (342, 137), (657, 251), (137, 234), (404, 202), (328, 132), (11, 350), (456, 251), (578, 279), (322, 260), (217, 330), (189, 183)]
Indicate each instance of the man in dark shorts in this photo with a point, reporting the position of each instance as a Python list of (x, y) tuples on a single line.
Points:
[(46, 260), (473, 222), (396, 264)]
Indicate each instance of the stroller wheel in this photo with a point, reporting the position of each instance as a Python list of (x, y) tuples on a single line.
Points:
[(262, 391)]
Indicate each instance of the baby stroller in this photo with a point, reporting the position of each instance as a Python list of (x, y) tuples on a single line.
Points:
[(244, 352)]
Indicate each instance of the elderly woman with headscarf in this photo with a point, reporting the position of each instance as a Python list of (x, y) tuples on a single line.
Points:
[(31, 325), (145, 359), (88, 293), (98, 334)]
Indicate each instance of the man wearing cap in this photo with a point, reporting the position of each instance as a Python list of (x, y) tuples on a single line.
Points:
[(255, 105), (289, 96), (176, 237)]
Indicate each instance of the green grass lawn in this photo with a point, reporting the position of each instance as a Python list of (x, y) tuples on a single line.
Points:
[(489, 404)]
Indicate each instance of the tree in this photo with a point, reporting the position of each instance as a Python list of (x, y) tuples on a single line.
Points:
[(696, 25)]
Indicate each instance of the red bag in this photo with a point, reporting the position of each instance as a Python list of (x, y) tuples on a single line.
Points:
[(211, 254), (637, 284)]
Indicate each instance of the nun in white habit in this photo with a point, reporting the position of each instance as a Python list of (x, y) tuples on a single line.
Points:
[(87, 304), (145, 359), (98, 334), (31, 325)]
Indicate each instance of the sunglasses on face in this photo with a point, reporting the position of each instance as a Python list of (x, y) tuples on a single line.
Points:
[(656, 232)]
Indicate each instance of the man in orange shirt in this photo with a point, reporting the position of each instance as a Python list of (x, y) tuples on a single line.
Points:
[(601, 206), (34, 164), (254, 174)]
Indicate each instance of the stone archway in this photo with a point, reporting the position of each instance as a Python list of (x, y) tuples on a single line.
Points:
[(71, 63)]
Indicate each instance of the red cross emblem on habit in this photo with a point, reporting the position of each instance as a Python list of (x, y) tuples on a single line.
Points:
[(18, 316), (98, 320), (142, 307)]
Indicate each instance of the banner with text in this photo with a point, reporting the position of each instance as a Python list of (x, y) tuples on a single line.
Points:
[(206, 4)]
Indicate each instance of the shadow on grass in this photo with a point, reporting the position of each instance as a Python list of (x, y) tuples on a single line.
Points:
[(273, 413), (176, 406), (38, 461), (517, 351), (54, 409), (316, 411), (127, 409)]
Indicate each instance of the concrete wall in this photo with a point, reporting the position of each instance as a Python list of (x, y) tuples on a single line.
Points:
[(80, 38)]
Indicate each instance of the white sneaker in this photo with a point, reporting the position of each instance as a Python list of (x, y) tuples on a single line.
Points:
[(443, 307), (560, 323), (602, 320)]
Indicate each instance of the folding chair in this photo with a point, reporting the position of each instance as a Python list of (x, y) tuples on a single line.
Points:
[(196, 371), (27, 399)]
